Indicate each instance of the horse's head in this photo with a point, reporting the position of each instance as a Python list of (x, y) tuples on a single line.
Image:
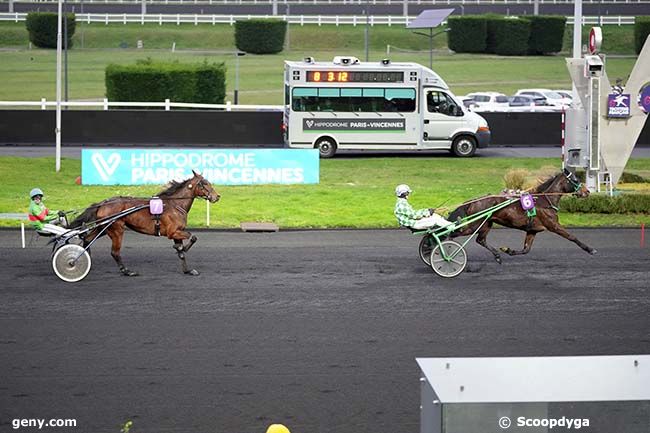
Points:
[(574, 185), (203, 188)]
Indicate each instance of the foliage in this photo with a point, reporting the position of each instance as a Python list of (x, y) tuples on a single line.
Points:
[(156, 81), (641, 32), (597, 203), (508, 36), (546, 34), (43, 28), (467, 34), (515, 178), (261, 36)]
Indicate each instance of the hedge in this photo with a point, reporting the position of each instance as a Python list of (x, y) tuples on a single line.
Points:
[(641, 32), (508, 36), (43, 28), (627, 203), (546, 34), (149, 81), (467, 34), (260, 36)]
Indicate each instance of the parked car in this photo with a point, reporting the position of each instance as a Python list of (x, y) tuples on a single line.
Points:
[(551, 97), (528, 103), (566, 93), (486, 101)]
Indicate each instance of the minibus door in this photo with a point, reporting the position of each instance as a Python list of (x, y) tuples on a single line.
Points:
[(442, 117)]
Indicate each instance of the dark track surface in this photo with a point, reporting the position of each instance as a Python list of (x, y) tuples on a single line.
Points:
[(318, 330), (588, 9)]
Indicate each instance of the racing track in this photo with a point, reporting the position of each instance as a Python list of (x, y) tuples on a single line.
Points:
[(317, 329)]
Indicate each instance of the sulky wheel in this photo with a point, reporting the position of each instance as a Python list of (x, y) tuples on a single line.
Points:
[(426, 248), (453, 264), (71, 263)]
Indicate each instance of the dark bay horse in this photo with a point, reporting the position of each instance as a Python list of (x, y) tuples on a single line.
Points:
[(177, 199), (547, 197)]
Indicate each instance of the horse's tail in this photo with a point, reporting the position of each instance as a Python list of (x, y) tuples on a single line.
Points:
[(89, 215)]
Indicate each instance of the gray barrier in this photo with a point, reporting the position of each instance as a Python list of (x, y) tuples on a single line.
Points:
[(226, 129)]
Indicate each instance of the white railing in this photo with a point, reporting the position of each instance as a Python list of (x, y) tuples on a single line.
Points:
[(105, 104), (337, 20), (344, 2)]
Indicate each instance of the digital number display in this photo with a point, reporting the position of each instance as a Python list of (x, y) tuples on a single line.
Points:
[(354, 77)]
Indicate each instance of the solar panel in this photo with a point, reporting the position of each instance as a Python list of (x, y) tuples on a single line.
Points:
[(429, 18)]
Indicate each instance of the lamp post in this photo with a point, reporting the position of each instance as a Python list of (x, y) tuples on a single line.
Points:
[(367, 31), (238, 54), (57, 129), (431, 35)]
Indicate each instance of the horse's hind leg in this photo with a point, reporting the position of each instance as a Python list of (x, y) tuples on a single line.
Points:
[(116, 233), (181, 250), (558, 229), (528, 243), (481, 239)]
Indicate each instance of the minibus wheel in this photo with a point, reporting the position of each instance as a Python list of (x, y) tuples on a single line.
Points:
[(464, 146), (326, 147)]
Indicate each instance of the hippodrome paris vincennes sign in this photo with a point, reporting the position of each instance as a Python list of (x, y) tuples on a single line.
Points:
[(219, 166)]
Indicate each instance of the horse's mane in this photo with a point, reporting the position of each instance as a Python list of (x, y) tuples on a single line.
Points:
[(171, 188), (546, 184)]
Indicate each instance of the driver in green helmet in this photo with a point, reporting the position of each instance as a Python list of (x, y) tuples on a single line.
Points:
[(40, 216)]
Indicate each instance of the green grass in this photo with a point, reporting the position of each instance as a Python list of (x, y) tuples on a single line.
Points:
[(352, 192), (29, 74)]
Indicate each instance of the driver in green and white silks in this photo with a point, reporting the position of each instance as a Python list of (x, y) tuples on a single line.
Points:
[(40, 216), (420, 219)]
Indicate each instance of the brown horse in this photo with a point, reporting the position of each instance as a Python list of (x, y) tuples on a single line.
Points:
[(177, 198), (547, 197)]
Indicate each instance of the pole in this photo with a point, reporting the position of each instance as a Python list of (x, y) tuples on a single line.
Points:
[(57, 130), (288, 25), (275, 7), (367, 27), (405, 8), (536, 8), (143, 7), (431, 48), (236, 93), (65, 52), (577, 29)]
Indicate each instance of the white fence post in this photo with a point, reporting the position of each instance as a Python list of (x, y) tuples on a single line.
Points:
[(105, 104), (43, 106), (167, 106)]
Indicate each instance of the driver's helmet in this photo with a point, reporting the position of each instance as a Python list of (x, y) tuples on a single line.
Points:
[(402, 190), (277, 428), (35, 192)]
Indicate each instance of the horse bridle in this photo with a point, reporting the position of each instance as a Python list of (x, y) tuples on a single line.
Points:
[(201, 184), (573, 181)]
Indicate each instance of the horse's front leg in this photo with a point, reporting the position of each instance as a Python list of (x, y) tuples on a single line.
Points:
[(181, 249), (528, 243), (556, 228), (481, 239)]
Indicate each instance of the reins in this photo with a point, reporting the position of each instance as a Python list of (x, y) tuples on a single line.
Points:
[(521, 193)]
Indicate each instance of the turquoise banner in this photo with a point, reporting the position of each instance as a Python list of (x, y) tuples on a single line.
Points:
[(219, 166)]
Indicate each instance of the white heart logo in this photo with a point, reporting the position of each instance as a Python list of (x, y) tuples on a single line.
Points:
[(104, 167), (310, 123)]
